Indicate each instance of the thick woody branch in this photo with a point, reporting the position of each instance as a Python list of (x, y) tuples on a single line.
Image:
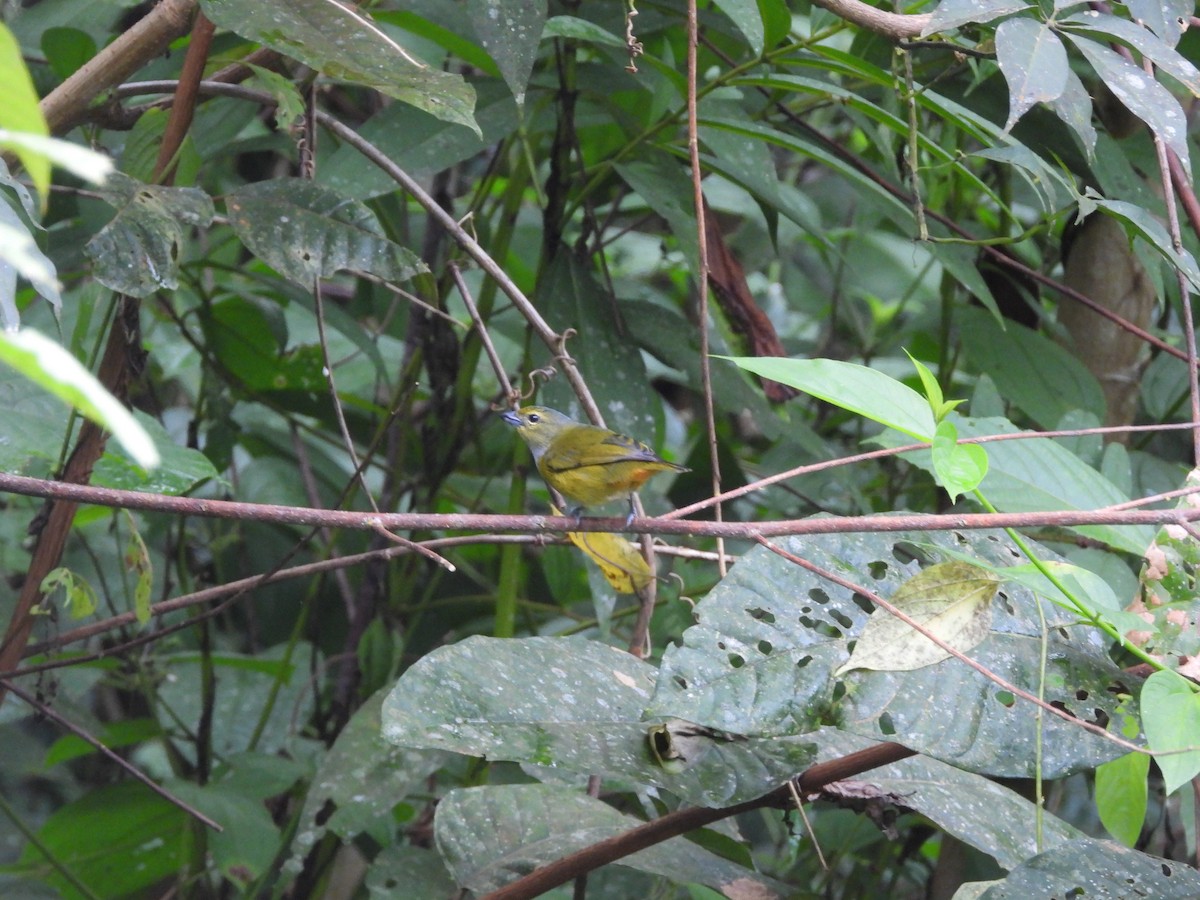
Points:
[(894, 26), (67, 105)]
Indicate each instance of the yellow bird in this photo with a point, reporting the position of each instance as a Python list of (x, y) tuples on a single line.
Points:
[(586, 464)]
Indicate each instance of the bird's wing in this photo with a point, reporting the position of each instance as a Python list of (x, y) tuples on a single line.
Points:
[(601, 449)]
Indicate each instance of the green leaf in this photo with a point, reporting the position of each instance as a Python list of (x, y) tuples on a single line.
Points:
[(746, 16), (1034, 63), (666, 189), (1089, 593), (1038, 474), (306, 232), (421, 872), (81, 596), (20, 111), (345, 44), (510, 31), (137, 563), (67, 49), (1074, 107), (573, 705), (417, 142), (1164, 17), (84, 162), (248, 688), (125, 822), (852, 387), (491, 835), (249, 840), (952, 13), (360, 756), (1171, 719), (1144, 41), (137, 253), (959, 468), (50, 366), (1121, 796), (1031, 371), (1100, 869), (1009, 831), (952, 600), (1141, 94), (1150, 229)]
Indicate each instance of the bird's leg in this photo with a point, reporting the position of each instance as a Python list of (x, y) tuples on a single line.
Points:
[(577, 513), (632, 512)]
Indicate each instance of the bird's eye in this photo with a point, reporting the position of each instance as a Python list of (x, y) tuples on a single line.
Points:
[(534, 417)]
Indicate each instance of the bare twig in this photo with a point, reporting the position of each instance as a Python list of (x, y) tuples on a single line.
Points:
[(84, 735)]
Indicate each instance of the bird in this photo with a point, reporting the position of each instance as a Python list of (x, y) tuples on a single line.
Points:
[(586, 464)]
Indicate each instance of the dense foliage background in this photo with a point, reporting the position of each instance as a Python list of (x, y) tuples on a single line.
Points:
[(335, 235)]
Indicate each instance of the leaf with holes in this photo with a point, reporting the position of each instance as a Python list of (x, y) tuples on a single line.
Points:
[(306, 232), (761, 658), (137, 253), (341, 42), (574, 706), (952, 600)]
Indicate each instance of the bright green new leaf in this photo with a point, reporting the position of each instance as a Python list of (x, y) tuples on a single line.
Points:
[(1121, 795), (20, 111), (959, 468), (1171, 719), (49, 365), (856, 388)]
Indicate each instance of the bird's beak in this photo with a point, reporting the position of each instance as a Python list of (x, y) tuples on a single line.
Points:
[(511, 418)]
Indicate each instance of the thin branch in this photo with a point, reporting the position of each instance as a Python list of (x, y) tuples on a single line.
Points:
[(541, 524), (682, 821), (706, 390), (133, 770)]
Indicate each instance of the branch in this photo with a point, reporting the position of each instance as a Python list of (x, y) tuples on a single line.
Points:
[(684, 820), (894, 26), (541, 524), (67, 105)]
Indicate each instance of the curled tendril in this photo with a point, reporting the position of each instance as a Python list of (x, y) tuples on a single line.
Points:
[(544, 374), (632, 44)]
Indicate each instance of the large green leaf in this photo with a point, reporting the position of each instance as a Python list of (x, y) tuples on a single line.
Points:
[(1097, 869), (305, 232), (510, 31), (118, 840), (418, 142), (1034, 63), (953, 13), (345, 44), (360, 757), (20, 111), (575, 706), (492, 835), (50, 366), (571, 297), (1031, 371), (762, 656), (859, 389), (952, 799)]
